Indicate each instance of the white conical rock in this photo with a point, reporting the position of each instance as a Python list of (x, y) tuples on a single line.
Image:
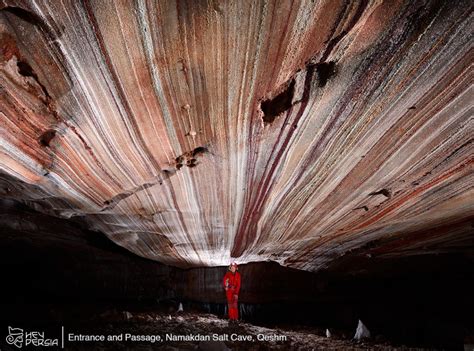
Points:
[(328, 333), (180, 307), (361, 331)]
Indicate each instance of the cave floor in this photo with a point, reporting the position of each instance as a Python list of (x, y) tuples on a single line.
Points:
[(221, 333)]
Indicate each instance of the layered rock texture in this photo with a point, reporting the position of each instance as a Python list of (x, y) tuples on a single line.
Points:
[(194, 132)]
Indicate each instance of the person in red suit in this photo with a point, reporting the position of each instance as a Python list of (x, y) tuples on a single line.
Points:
[(231, 283)]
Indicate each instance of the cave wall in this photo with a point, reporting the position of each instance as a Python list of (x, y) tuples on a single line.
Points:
[(47, 260), (52, 258)]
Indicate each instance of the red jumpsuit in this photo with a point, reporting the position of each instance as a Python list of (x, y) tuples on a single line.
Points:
[(232, 282)]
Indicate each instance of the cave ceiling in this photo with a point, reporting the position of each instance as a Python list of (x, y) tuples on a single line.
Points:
[(197, 132)]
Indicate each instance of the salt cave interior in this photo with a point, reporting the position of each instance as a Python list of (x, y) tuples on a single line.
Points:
[(325, 146)]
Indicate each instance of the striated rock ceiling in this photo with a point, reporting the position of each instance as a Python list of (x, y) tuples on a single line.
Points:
[(191, 132)]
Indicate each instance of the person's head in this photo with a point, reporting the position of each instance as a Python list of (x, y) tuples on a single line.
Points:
[(233, 267)]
